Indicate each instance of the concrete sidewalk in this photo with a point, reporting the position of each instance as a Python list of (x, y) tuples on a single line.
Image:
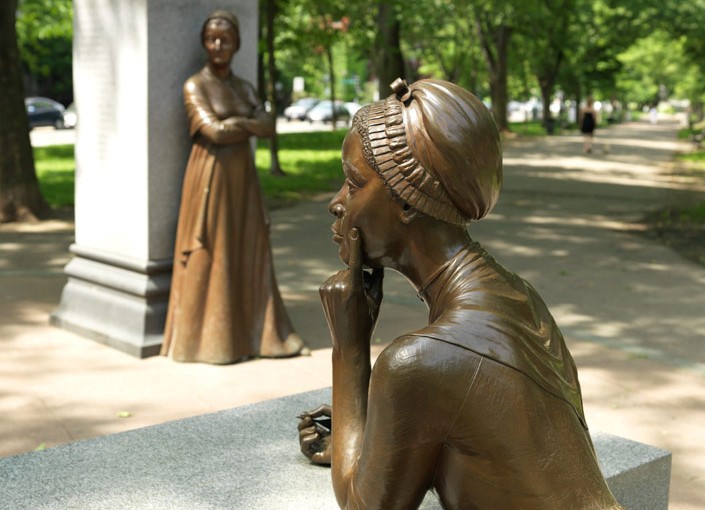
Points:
[(632, 311)]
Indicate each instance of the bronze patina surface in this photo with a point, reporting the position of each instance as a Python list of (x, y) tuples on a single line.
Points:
[(482, 405), (224, 305)]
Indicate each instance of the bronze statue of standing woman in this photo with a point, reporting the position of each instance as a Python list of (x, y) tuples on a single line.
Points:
[(482, 405), (224, 305)]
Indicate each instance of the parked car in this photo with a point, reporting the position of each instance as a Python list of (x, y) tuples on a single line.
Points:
[(323, 112), (300, 108), (43, 111), (70, 117)]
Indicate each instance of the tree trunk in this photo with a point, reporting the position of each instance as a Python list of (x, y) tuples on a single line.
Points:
[(546, 84), (20, 198), (274, 167), (331, 76), (495, 45), (546, 90), (578, 98), (547, 80), (502, 35), (390, 61)]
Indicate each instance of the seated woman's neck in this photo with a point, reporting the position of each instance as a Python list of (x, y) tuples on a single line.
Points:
[(429, 247)]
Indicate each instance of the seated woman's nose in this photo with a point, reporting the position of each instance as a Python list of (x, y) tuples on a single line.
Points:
[(336, 210)]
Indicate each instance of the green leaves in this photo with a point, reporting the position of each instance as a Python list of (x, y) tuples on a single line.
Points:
[(43, 20), (44, 37)]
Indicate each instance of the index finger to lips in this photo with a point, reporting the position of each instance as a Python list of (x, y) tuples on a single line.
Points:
[(355, 262)]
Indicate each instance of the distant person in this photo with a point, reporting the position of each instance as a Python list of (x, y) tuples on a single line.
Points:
[(588, 121), (653, 115), (224, 304)]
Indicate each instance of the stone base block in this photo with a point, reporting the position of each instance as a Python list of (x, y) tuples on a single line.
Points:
[(115, 301), (243, 458), (638, 475)]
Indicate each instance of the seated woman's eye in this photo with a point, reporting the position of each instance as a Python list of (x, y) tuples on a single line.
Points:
[(352, 187)]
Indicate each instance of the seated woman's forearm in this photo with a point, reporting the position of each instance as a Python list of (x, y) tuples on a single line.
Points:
[(351, 377)]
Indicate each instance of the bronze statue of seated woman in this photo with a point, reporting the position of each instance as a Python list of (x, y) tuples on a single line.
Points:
[(483, 405)]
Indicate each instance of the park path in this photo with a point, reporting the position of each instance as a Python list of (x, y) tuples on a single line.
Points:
[(632, 310)]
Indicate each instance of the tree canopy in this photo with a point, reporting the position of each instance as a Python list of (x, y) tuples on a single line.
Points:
[(44, 37), (500, 49), (630, 51)]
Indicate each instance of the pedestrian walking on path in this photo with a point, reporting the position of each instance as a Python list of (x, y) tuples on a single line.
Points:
[(588, 121)]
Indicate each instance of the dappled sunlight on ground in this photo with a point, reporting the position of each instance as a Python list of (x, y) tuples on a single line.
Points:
[(631, 177), (617, 385)]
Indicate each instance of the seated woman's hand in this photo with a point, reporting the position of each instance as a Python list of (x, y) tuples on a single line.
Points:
[(314, 434), (352, 297)]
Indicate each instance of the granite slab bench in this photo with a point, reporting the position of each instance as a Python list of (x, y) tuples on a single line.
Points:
[(243, 458)]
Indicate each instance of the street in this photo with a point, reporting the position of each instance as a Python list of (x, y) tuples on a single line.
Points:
[(46, 136)]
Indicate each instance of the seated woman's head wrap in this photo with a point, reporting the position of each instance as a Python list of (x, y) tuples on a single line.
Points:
[(436, 147)]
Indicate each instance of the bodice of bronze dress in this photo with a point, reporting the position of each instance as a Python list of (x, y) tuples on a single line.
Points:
[(229, 97), (213, 106)]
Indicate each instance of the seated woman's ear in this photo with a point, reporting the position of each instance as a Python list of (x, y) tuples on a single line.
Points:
[(408, 213)]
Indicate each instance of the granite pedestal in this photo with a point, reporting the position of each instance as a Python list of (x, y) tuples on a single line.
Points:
[(130, 60), (243, 458)]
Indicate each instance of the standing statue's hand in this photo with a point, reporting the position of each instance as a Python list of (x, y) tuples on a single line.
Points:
[(351, 298), (314, 434), (232, 122)]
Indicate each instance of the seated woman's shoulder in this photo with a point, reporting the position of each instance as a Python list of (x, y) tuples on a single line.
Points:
[(417, 359), (414, 350)]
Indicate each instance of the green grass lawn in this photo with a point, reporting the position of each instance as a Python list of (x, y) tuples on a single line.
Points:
[(55, 168), (695, 163), (310, 160), (695, 156), (532, 128), (536, 128)]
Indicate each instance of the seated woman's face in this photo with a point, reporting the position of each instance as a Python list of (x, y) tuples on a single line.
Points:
[(363, 202), (220, 41)]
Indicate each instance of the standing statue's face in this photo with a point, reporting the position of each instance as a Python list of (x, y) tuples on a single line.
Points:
[(363, 202), (220, 42)]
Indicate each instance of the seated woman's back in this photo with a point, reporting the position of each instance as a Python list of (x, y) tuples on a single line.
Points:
[(481, 434)]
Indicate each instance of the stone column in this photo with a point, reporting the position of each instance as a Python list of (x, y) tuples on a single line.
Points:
[(130, 60)]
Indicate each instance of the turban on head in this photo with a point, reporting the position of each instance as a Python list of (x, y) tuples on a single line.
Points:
[(436, 147)]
